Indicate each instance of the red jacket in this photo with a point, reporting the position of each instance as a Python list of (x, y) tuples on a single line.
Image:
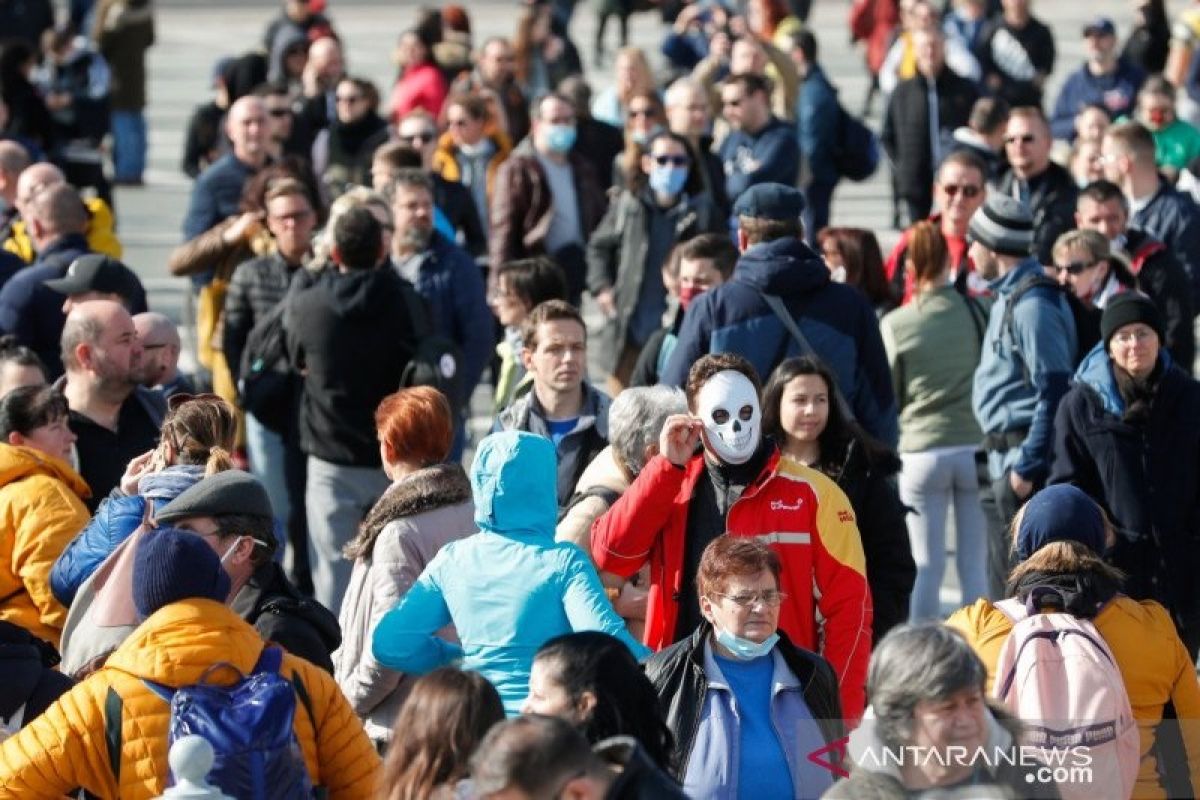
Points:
[(800, 513), (422, 86)]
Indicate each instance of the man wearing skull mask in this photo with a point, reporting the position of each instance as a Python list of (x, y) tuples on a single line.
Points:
[(738, 485)]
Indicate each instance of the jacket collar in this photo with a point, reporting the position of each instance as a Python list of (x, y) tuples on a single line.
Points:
[(1008, 282)]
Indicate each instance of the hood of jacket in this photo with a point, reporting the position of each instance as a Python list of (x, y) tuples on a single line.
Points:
[(513, 480), (170, 482), (868, 751), (269, 592), (1096, 372), (18, 463), (639, 777), (355, 294), (783, 266), (177, 643)]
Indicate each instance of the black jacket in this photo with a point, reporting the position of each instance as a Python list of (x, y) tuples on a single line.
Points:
[(1161, 276), (26, 663), (256, 287), (599, 143), (1052, 196), (1172, 216), (906, 135), (282, 615), (638, 777), (679, 680), (1145, 474), (891, 570), (1008, 54), (455, 201), (348, 334)]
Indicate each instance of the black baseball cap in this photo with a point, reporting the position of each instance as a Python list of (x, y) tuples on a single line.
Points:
[(98, 273)]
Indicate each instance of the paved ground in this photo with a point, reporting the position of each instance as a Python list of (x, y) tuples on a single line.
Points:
[(191, 36)]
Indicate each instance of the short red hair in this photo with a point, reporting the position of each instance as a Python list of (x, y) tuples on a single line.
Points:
[(728, 556), (417, 424)]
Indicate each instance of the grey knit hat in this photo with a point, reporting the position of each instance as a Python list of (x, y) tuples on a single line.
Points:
[(1003, 225)]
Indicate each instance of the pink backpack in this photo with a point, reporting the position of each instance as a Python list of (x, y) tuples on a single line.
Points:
[(1059, 677)]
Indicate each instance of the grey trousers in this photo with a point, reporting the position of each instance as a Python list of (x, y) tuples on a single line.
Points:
[(335, 500)]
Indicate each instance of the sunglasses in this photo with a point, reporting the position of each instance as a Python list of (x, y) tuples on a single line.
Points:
[(675, 161), (1075, 267), (423, 136), (968, 191), (177, 400), (1027, 138)]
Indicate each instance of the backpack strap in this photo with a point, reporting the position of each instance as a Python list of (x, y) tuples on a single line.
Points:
[(1023, 288), (305, 698), (978, 318), (269, 660), (113, 707)]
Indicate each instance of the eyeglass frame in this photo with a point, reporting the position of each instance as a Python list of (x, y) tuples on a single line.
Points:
[(749, 600)]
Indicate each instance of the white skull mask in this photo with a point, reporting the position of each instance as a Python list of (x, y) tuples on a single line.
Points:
[(728, 406)]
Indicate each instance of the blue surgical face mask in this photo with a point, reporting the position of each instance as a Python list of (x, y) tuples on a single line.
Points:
[(744, 649), (560, 138), (668, 180)]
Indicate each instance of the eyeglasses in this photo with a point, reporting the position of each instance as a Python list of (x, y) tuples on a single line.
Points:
[(675, 161), (1027, 138), (968, 191), (176, 400), (771, 598), (419, 136), (1133, 336), (1075, 267)]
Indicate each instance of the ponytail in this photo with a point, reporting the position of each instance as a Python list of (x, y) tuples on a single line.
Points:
[(219, 460)]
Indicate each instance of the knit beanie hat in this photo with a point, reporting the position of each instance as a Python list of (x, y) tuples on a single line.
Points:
[(173, 565), (1003, 225), (1127, 308), (1060, 513)]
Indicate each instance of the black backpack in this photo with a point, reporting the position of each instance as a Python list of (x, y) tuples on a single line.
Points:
[(437, 360), (267, 385), (856, 154)]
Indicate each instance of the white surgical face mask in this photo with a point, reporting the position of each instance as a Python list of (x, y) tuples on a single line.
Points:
[(232, 547), (728, 406)]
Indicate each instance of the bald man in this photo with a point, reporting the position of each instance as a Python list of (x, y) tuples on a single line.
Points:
[(13, 160), (113, 417), (32, 180), (218, 191), (160, 354)]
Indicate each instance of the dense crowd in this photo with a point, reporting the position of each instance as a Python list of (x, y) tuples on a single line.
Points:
[(720, 572)]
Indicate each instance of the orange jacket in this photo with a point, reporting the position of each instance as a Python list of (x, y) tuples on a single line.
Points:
[(66, 746), (445, 164), (798, 511), (41, 511), (1154, 665)]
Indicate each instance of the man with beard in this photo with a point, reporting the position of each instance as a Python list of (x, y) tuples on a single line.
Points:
[(1028, 357), (737, 484), (494, 77), (446, 277), (160, 354), (113, 418)]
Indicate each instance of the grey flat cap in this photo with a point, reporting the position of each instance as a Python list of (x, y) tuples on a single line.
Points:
[(230, 492)]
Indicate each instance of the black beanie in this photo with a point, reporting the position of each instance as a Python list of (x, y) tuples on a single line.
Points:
[(1127, 308), (173, 565)]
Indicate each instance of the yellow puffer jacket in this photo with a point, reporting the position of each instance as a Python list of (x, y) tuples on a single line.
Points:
[(101, 237), (41, 511), (66, 747), (1153, 662)]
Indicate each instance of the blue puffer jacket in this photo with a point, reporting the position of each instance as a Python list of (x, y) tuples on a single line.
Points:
[(837, 320), (506, 589), (116, 518)]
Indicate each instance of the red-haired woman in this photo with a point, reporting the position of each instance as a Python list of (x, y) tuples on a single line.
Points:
[(427, 506)]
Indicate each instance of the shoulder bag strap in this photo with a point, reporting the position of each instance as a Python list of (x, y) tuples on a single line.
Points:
[(775, 303)]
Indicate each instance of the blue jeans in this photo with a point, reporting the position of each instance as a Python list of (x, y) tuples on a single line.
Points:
[(266, 451), (129, 145), (929, 483)]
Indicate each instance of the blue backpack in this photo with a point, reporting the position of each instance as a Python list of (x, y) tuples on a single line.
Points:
[(250, 727)]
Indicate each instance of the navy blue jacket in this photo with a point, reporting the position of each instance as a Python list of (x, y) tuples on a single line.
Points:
[(1171, 216), (772, 154), (34, 313), (1116, 92), (216, 194), (837, 320), (452, 285), (818, 122)]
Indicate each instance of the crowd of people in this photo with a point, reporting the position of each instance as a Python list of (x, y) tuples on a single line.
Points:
[(710, 566)]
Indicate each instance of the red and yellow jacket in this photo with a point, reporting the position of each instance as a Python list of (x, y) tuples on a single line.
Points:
[(803, 516), (66, 747)]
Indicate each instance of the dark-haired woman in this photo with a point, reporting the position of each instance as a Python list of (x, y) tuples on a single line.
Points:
[(854, 258), (19, 366), (656, 210), (420, 83), (441, 724), (427, 506), (41, 506), (341, 154), (933, 346), (801, 410), (592, 680)]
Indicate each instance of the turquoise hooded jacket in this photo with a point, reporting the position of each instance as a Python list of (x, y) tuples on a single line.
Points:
[(507, 589)]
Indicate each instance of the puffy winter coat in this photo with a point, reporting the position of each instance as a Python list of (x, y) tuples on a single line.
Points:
[(796, 510), (41, 510), (507, 589), (116, 518), (66, 747), (1152, 660)]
